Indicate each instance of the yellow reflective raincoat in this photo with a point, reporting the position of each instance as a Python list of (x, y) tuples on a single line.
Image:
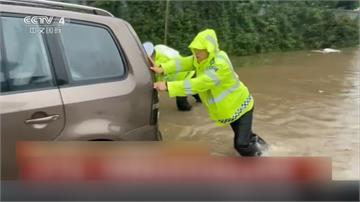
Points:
[(223, 94)]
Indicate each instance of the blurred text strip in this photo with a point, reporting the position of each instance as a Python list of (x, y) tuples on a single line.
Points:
[(158, 162)]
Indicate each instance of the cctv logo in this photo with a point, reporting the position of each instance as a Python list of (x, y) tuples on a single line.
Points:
[(41, 20), (44, 24), (38, 20)]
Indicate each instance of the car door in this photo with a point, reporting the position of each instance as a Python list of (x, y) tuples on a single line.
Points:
[(31, 104), (104, 98)]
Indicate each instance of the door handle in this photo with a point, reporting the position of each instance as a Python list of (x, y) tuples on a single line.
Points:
[(46, 119)]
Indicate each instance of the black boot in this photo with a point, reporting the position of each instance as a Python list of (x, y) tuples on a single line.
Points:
[(250, 150), (257, 139), (256, 147), (182, 104), (197, 98)]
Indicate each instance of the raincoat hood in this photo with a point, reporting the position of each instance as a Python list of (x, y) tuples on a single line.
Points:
[(206, 40)]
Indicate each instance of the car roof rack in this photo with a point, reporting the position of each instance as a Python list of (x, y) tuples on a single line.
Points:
[(58, 5)]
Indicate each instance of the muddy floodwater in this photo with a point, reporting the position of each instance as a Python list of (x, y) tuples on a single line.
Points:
[(306, 104)]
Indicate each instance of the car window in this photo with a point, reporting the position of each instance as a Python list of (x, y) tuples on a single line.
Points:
[(26, 65), (91, 53)]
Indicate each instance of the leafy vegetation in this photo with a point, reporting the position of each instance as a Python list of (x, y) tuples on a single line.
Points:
[(244, 27)]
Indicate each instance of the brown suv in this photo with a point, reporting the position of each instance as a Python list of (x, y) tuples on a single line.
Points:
[(71, 72)]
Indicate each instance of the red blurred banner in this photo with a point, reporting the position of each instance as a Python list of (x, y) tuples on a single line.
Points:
[(156, 162)]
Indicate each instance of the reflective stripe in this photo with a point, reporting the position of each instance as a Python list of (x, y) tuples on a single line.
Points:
[(177, 64), (224, 94), (238, 111), (187, 87), (211, 73), (212, 41)]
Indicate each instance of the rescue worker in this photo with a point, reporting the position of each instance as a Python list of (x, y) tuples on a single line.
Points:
[(226, 98), (160, 54)]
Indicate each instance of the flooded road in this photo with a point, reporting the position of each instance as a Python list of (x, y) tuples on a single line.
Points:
[(306, 104)]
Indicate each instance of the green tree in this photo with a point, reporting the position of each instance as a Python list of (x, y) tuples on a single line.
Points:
[(243, 27)]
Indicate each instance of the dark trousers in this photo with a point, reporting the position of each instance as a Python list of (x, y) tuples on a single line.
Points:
[(183, 104), (242, 130)]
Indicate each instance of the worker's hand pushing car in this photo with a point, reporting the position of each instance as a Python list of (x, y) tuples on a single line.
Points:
[(160, 85), (161, 54), (157, 70)]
